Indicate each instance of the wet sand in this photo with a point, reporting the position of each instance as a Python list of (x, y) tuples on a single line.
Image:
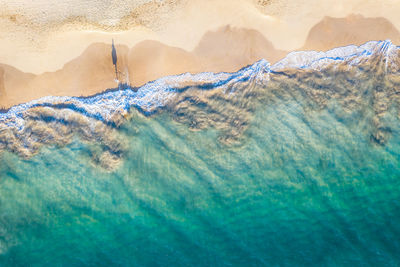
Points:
[(354, 29)]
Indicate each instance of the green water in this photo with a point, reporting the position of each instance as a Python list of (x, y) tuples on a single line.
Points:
[(298, 189)]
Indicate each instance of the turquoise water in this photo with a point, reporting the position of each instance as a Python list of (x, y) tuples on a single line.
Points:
[(298, 189)]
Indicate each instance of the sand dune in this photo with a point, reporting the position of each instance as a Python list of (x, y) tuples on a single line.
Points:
[(226, 49), (88, 74), (2, 87), (354, 29), (229, 49), (14, 86), (150, 60)]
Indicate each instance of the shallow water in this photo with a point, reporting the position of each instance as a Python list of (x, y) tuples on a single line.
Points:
[(300, 188)]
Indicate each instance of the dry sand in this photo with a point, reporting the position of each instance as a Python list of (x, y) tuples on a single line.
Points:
[(42, 35), (159, 38)]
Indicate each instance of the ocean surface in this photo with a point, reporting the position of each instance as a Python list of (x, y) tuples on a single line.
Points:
[(295, 164)]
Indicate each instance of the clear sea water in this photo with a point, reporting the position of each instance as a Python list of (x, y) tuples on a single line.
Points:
[(298, 189)]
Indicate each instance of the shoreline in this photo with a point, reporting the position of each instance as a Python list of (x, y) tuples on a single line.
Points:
[(25, 128), (308, 59), (226, 49)]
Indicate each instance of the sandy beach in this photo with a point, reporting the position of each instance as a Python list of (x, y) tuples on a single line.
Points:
[(56, 50)]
